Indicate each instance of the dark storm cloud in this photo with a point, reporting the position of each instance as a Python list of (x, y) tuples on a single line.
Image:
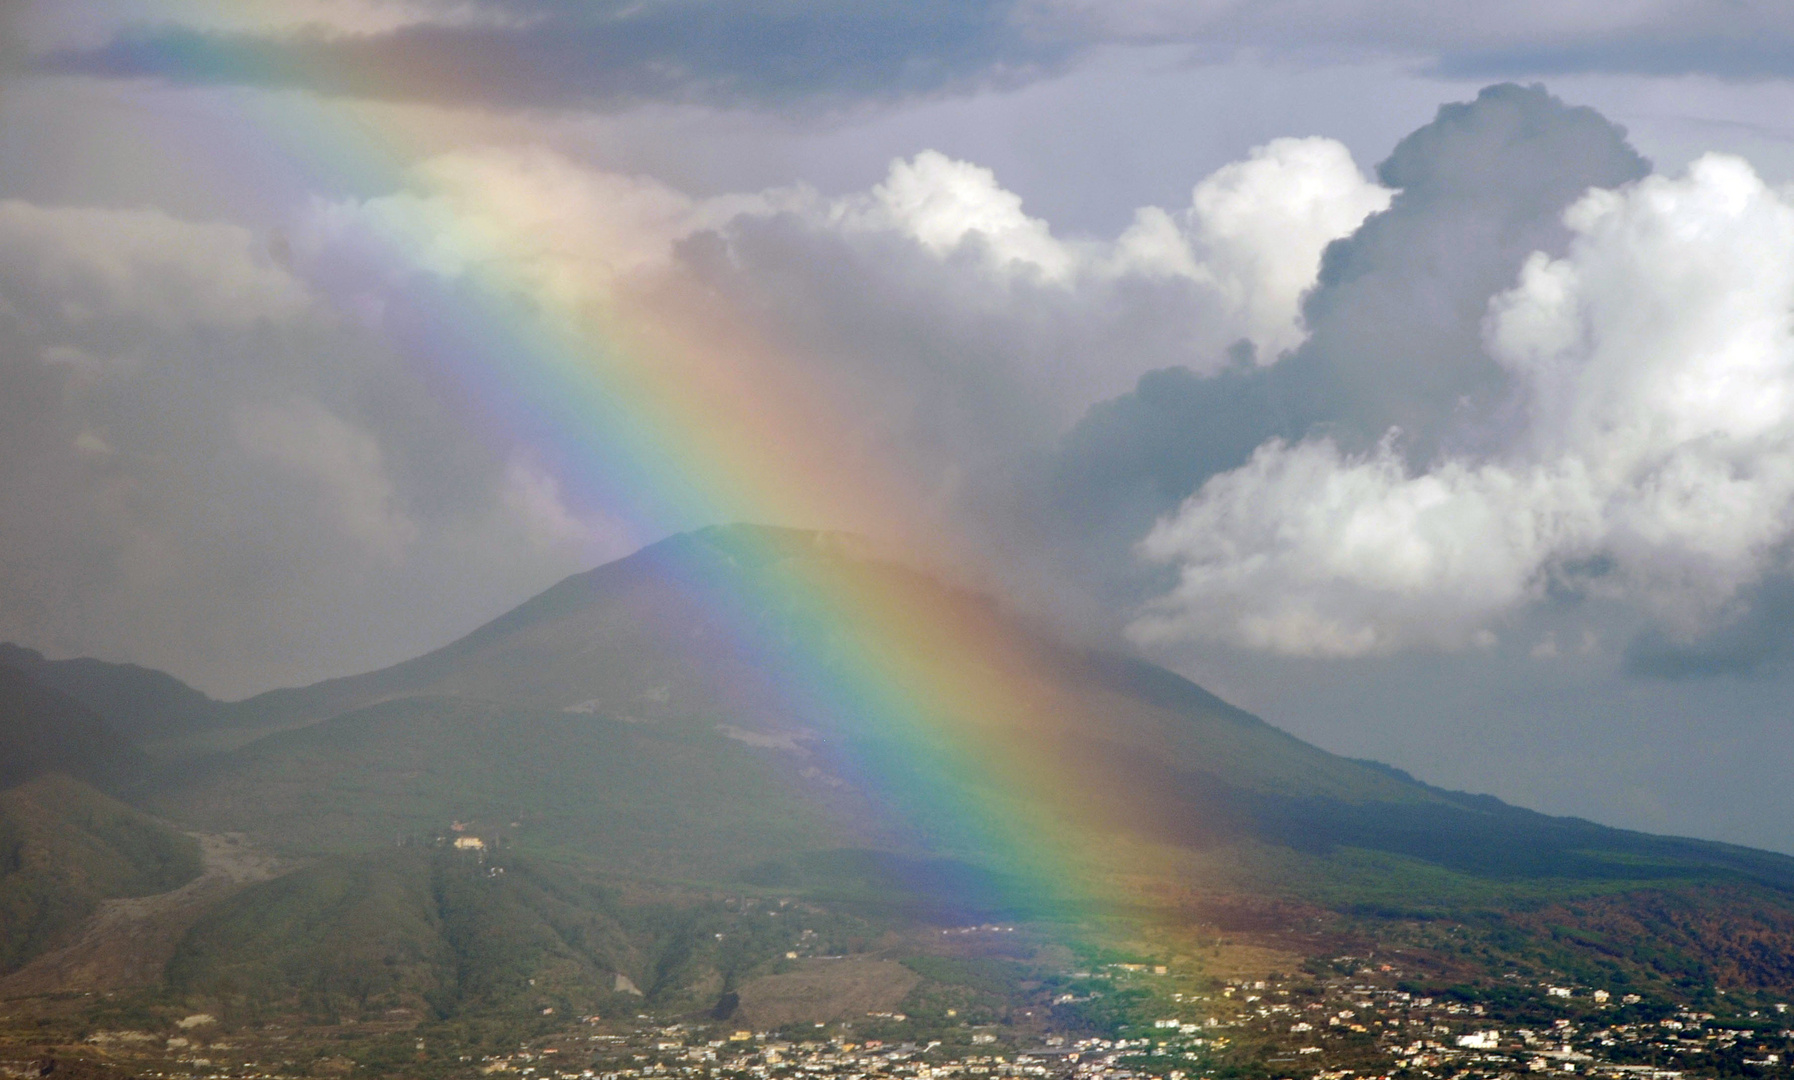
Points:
[(1725, 55), (1504, 38), (607, 54), (1396, 318), (1756, 641), (1134, 458)]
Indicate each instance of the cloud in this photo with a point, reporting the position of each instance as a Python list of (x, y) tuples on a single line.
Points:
[(192, 436), (1258, 228), (953, 326), (1246, 249), (1752, 48), (344, 465), (534, 502), (611, 54), (78, 266), (1750, 639), (1230, 369), (200, 423), (942, 203), (602, 54), (1309, 552), (527, 219), (91, 25), (1393, 327), (1396, 318), (1503, 38), (958, 334), (1653, 365), (974, 276)]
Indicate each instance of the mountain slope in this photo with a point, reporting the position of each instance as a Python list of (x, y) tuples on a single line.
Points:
[(43, 730), (137, 702), (64, 847), (671, 799), (641, 639), (620, 714)]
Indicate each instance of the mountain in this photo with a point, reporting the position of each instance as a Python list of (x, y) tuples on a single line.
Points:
[(43, 730), (139, 703), (624, 796), (620, 715)]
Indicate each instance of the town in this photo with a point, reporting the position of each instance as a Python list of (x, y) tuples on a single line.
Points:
[(1363, 1022), (1116, 1015), (1339, 1028)]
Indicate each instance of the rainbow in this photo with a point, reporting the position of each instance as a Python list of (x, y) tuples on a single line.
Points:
[(670, 412)]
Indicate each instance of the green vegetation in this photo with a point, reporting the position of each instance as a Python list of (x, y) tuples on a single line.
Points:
[(134, 701), (341, 935), (671, 800), (617, 720), (43, 730), (64, 847), (458, 938)]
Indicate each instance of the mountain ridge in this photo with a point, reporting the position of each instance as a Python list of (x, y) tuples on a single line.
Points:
[(43, 730)]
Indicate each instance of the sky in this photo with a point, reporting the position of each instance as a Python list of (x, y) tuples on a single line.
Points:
[(1421, 379)]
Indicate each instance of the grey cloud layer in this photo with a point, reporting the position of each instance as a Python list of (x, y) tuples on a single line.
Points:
[(605, 54), (549, 53), (204, 468), (1396, 317)]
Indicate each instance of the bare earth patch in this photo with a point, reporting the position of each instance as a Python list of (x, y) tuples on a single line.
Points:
[(825, 990), (128, 942)]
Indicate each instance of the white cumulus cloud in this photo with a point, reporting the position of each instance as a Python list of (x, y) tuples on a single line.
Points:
[(1250, 240), (942, 203), (1255, 232), (1654, 366), (939, 247), (1084, 316)]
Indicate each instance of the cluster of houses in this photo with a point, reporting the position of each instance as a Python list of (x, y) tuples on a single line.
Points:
[(686, 1051), (1362, 1029), (1349, 1030)]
